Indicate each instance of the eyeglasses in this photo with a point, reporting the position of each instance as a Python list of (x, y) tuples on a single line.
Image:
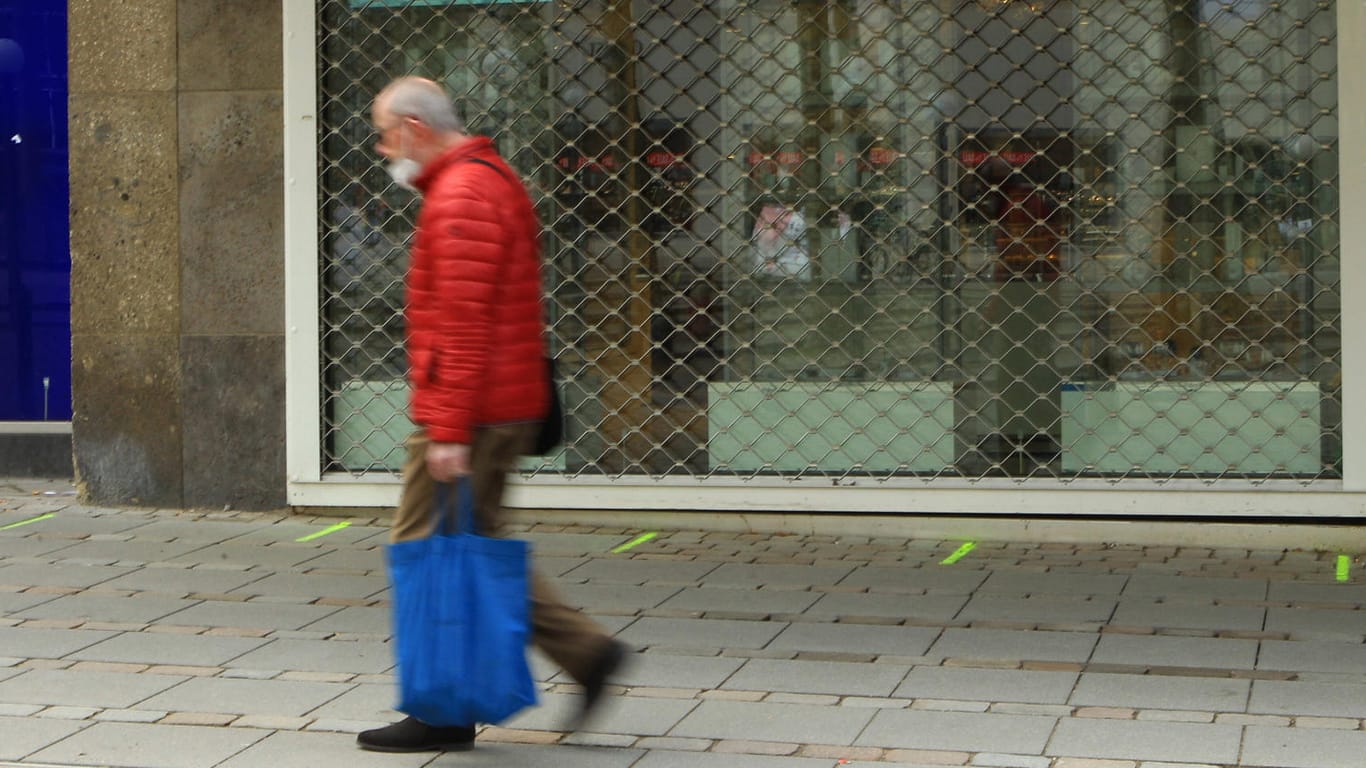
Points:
[(382, 132)]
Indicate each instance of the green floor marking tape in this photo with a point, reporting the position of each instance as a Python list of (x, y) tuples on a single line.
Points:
[(26, 522), (958, 553), (641, 539), (323, 532), (1344, 567)]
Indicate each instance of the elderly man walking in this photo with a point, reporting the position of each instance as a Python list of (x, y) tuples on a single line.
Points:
[(475, 344)]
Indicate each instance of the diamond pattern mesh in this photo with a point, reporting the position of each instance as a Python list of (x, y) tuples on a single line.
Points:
[(875, 238)]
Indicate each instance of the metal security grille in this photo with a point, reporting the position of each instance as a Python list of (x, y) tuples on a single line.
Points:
[(876, 239)]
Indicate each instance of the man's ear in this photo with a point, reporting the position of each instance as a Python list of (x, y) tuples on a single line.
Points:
[(420, 130)]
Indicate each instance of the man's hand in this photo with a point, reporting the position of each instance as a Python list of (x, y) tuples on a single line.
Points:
[(447, 461)]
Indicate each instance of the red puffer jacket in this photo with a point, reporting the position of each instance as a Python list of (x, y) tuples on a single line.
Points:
[(473, 318)]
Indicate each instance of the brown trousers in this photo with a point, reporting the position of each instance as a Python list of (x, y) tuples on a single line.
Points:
[(568, 637)]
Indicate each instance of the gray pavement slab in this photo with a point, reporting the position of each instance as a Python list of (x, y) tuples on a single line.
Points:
[(1011, 582), (85, 688), (674, 759), (31, 546), (288, 530), (249, 615), (70, 575), (1317, 592), (26, 642), (70, 519), (1010, 644), (286, 698), (700, 633), (1176, 586), (914, 580), (957, 731), (355, 619), (134, 745), (306, 585), (835, 678), (530, 756), (855, 638), (936, 607), (250, 555), (156, 648), (958, 683), (1210, 694), (574, 543), (350, 656), (131, 610), (611, 622), (620, 570), (1146, 741), (741, 682), (1278, 697), (196, 530), (616, 714), (666, 670), (135, 551), (755, 575), (760, 602), (1313, 656), (377, 537), (310, 750), (22, 736), (1303, 748), (13, 602), (615, 597), (903, 764), (761, 721), (1045, 609), (1182, 615), (1163, 651), (367, 703), (179, 581), (1311, 623), (244, 554), (350, 559), (555, 565)]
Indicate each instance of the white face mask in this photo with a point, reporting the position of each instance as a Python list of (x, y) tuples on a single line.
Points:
[(403, 170)]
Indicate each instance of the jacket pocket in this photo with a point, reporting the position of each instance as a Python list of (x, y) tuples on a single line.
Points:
[(423, 367)]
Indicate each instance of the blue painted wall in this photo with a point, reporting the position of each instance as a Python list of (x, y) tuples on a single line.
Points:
[(35, 253)]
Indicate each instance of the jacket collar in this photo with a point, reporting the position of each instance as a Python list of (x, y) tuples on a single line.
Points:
[(474, 146)]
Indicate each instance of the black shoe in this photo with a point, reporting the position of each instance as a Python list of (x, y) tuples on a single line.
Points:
[(607, 665), (413, 735)]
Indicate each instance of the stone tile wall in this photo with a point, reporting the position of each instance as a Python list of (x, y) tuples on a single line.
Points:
[(177, 252)]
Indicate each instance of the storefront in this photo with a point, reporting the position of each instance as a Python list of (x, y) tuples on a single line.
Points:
[(864, 255), (35, 256)]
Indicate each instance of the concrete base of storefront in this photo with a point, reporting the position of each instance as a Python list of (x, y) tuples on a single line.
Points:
[(1192, 533), (37, 450), (1347, 536)]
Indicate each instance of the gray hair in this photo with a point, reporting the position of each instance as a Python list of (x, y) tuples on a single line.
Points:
[(423, 99)]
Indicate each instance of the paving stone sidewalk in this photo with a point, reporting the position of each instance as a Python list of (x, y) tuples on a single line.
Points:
[(194, 639)]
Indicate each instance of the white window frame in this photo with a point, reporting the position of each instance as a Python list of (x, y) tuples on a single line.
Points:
[(308, 486)]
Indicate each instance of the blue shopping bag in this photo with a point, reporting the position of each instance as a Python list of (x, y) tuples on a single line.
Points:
[(462, 619)]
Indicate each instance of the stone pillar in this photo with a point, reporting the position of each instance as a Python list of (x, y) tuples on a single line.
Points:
[(177, 252)]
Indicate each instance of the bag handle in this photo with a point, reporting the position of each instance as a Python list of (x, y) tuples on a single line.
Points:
[(461, 519)]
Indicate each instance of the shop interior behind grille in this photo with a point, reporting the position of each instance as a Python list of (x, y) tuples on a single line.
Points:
[(876, 240)]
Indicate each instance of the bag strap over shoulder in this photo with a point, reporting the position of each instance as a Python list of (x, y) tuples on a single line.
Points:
[(484, 162)]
